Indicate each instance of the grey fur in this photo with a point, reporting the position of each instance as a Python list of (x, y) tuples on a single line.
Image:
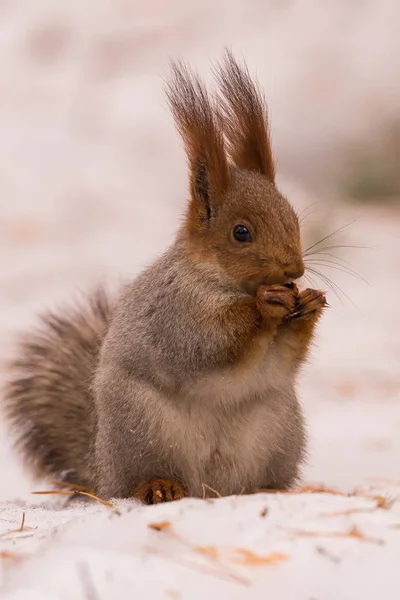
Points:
[(48, 398)]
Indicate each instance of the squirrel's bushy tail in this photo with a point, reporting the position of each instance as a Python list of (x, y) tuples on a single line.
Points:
[(48, 399)]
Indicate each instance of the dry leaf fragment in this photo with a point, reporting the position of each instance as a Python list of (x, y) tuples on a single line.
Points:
[(348, 511), (160, 526), (207, 487), (79, 493), (73, 486), (247, 557), (210, 551), (320, 489), (308, 489), (382, 502), (353, 532), (264, 511), (7, 555), (221, 572)]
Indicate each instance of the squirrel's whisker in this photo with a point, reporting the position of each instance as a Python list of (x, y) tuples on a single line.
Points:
[(330, 235), (329, 264), (330, 255), (310, 280), (339, 247), (332, 285), (303, 215)]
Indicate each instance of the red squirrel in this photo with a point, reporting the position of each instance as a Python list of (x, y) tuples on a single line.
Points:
[(188, 377)]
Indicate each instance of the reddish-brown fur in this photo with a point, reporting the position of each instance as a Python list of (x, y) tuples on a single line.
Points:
[(245, 118), (203, 140)]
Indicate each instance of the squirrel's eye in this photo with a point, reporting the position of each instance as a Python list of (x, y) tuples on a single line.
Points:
[(241, 234)]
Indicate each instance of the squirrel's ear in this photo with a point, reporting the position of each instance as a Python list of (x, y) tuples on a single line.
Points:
[(245, 115), (203, 139)]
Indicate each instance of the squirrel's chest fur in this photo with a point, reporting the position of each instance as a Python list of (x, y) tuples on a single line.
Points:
[(228, 427), (166, 389)]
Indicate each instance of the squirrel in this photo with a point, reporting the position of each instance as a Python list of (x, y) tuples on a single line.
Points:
[(187, 378)]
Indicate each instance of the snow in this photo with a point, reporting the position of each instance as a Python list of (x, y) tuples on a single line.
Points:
[(236, 547), (92, 186)]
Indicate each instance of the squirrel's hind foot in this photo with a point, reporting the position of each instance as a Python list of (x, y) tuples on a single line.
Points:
[(156, 491)]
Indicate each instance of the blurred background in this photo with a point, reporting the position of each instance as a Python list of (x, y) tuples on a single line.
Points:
[(93, 179)]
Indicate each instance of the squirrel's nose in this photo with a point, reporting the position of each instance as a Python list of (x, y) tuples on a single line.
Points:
[(295, 270)]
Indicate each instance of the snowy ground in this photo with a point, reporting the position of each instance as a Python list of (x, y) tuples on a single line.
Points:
[(297, 546), (91, 188)]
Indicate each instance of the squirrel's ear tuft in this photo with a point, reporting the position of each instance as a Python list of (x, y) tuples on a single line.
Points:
[(245, 116), (201, 132)]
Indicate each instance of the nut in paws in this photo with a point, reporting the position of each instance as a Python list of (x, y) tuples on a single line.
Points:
[(276, 301), (309, 303)]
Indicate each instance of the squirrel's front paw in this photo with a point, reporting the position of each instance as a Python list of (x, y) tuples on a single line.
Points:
[(309, 305), (276, 302), (155, 491)]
